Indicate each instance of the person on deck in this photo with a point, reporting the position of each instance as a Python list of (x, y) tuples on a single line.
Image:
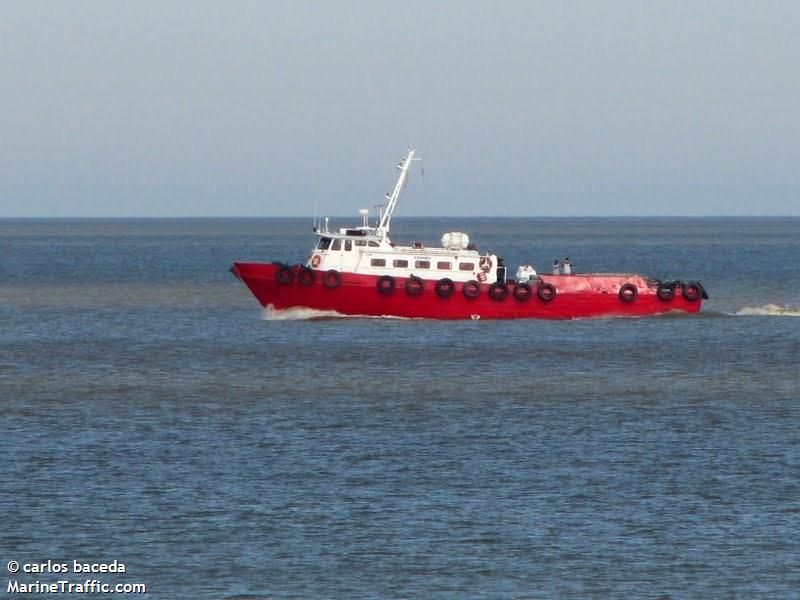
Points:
[(525, 273)]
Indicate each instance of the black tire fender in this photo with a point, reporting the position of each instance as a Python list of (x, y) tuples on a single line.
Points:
[(665, 291), (414, 286), (386, 284), (306, 277), (691, 292), (628, 292), (332, 279), (498, 291), (522, 292), (546, 291), (445, 287), (284, 275), (471, 289)]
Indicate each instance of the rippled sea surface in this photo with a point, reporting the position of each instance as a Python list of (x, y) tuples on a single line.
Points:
[(150, 413)]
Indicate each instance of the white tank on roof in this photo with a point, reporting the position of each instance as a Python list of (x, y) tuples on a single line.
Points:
[(455, 239)]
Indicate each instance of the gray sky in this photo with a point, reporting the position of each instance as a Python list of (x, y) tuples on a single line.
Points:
[(517, 108)]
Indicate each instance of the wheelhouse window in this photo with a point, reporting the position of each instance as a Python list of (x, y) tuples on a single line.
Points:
[(337, 245), (466, 266), (361, 242), (348, 245), (374, 244), (400, 264), (443, 265), (324, 243), (422, 264), (378, 262)]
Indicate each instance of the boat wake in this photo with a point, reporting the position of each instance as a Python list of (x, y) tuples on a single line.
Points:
[(298, 313), (302, 313), (768, 310)]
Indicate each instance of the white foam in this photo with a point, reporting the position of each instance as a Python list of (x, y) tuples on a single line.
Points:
[(302, 313), (769, 310), (298, 313)]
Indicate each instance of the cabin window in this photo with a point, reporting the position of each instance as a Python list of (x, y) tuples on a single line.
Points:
[(422, 264), (443, 265), (374, 244), (378, 262), (348, 245), (361, 242), (466, 266), (337, 245), (400, 264), (324, 243)]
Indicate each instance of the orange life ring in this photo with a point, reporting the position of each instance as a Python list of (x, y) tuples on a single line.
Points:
[(316, 260)]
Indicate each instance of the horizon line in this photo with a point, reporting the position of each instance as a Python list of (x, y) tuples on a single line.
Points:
[(348, 216)]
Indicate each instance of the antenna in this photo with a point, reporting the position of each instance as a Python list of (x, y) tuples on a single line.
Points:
[(386, 216)]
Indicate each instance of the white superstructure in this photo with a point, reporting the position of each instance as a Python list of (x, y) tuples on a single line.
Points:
[(368, 250)]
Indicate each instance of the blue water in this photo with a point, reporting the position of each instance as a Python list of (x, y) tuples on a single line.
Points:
[(151, 414)]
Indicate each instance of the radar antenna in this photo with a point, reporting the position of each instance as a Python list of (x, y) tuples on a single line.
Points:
[(386, 217)]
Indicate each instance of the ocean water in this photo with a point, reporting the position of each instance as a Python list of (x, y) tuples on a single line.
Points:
[(151, 414)]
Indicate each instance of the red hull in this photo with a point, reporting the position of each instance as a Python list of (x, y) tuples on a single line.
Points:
[(578, 296)]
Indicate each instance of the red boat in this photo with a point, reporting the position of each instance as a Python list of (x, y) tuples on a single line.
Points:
[(360, 271)]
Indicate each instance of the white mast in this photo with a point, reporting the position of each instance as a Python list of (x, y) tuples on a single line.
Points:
[(386, 217)]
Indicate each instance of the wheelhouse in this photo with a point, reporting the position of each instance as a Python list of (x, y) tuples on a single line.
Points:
[(371, 256), (368, 250)]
